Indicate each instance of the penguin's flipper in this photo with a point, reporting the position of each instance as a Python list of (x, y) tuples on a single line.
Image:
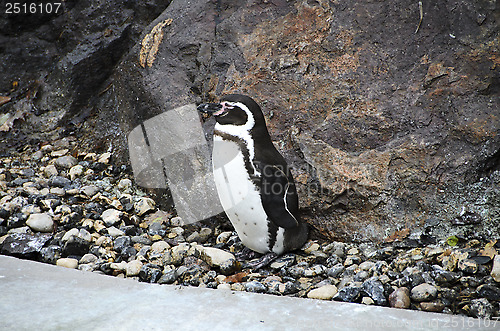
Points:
[(279, 196)]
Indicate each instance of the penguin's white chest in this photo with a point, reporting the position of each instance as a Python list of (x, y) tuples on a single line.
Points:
[(238, 195)]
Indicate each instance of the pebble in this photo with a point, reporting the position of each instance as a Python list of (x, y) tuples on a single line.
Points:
[(348, 294), (255, 286), (67, 263), (481, 308), (111, 216), (284, 261), (375, 289), (80, 233), (367, 265), (423, 292), (495, 270), (104, 158), (144, 205), (489, 292), (59, 153), (400, 298), (66, 161), (150, 273), (467, 266), (40, 222), (59, 181), (160, 246), (223, 237), (124, 184), (310, 247), (50, 171), (335, 271), (88, 258), (89, 190), (325, 292), (315, 270), (224, 286), (114, 232), (177, 221), (168, 277), (75, 172), (215, 257), (436, 307), (367, 301)]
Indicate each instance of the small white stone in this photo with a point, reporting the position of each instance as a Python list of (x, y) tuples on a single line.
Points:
[(325, 292), (89, 190), (75, 172), (367, 265), (111, 216), (144, 205), (122, 266), (367, 301), (133, 268), (31, 209), (176, 221), (60, 152), (159, 246), (114, 232), (98, 225), (31, 190), (180, 251), (50, 171), (224, 286), (223, 237), (104, 241), (214, 256), (124, 184), (495, 270), (85, 235), (69, 234), (58, 191), (23, 229), (310, 247), (40, 222), (88, 258), (353, 251), (67, 263), (90, 156), (315, 270), (104, 158), (47, 148)]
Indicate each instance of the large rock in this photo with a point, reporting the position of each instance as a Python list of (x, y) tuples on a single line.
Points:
[(54, 66), (382, 132)]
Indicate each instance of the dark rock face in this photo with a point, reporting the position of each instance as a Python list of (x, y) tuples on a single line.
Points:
[(57, 65), (385, 125)]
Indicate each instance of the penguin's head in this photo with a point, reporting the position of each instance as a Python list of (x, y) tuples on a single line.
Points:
[(234, 109)]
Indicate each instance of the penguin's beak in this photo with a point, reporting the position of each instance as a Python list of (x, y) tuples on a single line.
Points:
[(209, 108)]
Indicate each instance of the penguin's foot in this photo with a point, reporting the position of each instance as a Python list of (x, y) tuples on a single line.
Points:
[(246, 254), (261, 262)]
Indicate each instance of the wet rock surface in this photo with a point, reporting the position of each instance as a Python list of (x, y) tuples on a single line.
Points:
[(151, 246)]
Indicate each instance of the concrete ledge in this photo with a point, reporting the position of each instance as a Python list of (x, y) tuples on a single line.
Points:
[(45, 297)]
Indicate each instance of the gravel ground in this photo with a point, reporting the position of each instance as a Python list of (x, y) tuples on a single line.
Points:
[(63, 206)]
